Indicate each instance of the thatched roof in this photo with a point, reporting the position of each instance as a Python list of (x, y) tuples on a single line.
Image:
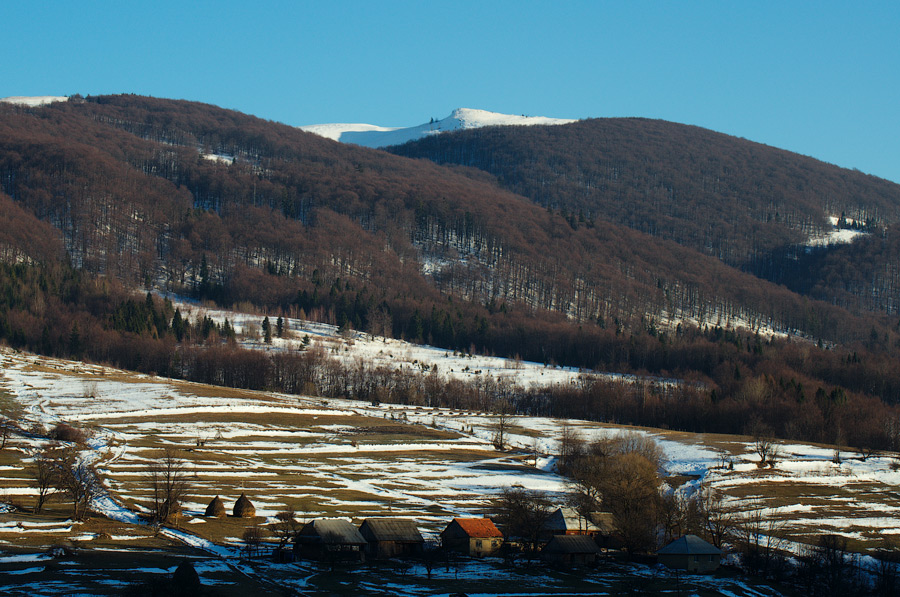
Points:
[(571, 544), (243, 508), (690, 545), (330, 531), (390, 529), (216, 508)]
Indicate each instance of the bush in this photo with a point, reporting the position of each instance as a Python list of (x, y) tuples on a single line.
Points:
[(66, 433)]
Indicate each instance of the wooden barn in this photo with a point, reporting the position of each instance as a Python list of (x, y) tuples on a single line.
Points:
[(567, 521), (571, 550), (474, 536), (330, 539), (391, 537), (690, 553)]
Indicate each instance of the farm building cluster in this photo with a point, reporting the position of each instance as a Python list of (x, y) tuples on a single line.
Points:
[(566, 538)]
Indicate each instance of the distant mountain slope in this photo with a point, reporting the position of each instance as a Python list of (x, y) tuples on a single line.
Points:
[(194, 198), (748, 204), (369, 135)]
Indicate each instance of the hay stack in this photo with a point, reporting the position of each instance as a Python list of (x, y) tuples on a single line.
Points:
[(216, 508), (243, 508)]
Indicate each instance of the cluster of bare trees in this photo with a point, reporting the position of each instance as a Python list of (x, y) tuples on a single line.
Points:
[(620, 475), (61, 469)]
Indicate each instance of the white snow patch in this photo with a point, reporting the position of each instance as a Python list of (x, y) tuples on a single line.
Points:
[(836, 235), (33, 101), (370, 135)]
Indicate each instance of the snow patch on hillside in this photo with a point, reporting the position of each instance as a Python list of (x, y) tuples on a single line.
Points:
[(369, 135), (33, 101), (837, 235)]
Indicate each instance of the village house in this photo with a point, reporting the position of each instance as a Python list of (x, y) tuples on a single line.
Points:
[(391, 537), (690, 553), (571, 550), (567, 521), (474, 536), (330, 539)]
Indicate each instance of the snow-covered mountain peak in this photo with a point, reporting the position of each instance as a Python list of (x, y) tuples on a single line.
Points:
[(33, 101), (370, 135)]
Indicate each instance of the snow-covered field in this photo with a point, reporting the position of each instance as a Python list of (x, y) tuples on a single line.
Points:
[(377, 351), (335, 457), (370, 135), (354, 459)]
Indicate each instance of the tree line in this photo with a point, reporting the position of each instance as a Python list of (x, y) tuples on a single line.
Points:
[(729, 380)]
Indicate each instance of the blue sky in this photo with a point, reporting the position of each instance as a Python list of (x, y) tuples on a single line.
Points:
[(820, 78)]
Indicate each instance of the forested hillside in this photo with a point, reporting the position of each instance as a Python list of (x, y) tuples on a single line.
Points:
[(100, 195), (750, 205), (191, 197)]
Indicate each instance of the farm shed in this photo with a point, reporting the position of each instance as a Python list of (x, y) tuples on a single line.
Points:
[(690, 553), (571, 550), (567, 521), (244, 508), (216, 508), (474, 536), (330, 539), (391, 537), (608, 536)]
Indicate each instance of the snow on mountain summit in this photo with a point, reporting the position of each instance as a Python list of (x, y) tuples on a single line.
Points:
[(34, 101), (369, 135)]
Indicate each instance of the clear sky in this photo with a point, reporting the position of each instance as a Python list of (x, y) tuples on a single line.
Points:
[(821, 78)]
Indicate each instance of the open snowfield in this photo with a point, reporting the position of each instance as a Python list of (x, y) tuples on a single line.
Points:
[(354, 459), (377, 351)]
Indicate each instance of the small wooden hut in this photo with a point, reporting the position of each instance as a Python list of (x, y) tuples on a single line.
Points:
[(690, 553), (243, 508), (571, 550), (216, 508), (391, 537)]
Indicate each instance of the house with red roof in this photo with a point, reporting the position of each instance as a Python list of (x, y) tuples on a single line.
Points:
[(474, 536)]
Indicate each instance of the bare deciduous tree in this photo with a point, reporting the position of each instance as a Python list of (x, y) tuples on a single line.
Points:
[(522, 513), (285, 526), (571, 448), (503, 422), (253, 537), (620, 475), (759, 538), (7, 428), (44, 473), (717, 519), (75, 478), (168, 481)]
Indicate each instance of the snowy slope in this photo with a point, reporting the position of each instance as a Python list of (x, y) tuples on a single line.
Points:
[(369, 135), (38, 100)]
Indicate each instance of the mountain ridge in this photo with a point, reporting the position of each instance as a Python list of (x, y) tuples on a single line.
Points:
[(375, 136), (752, 206)]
